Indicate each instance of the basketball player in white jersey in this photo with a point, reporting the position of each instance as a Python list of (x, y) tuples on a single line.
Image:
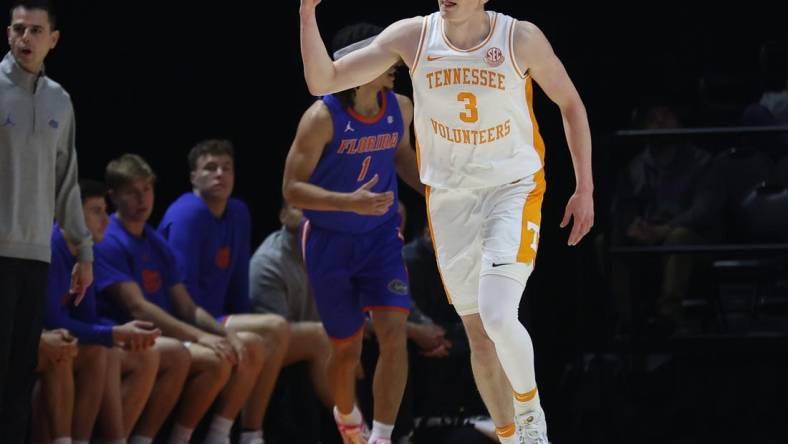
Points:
[(481, 157)]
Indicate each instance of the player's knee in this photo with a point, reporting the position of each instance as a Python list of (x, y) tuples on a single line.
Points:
[(275, 330), (482, 347), (320, 338), (496, 318), (281, 329), (173, 355), (255, 350), (390, 331), (474, 329), (316, 339), (218, 368), (346, 353), (247, 367)]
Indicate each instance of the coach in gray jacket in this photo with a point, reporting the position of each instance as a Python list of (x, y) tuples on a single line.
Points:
[(38, 184)]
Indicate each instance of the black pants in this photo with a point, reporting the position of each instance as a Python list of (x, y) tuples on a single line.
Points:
[(23, 285)]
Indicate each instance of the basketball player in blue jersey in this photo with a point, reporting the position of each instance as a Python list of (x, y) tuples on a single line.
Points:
[(210, 233), (481, 158), (341, 170)]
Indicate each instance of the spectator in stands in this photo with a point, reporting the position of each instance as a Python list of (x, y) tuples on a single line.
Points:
[(664, 197)]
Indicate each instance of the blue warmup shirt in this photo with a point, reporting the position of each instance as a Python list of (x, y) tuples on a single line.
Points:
[(361, 147), (59, 311), (212, 253), (148, 261)]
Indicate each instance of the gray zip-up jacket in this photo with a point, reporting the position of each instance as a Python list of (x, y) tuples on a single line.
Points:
[(38, 166)]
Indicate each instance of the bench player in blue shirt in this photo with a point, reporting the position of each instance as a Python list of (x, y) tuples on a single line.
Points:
[(116, 366), (210, 233), (137, 272)]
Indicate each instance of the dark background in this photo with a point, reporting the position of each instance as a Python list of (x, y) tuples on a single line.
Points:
[(156, 77)]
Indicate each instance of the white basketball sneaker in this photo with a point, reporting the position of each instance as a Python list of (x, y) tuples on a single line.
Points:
[(532, 427)]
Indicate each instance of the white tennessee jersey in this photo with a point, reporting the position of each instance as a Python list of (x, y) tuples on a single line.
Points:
[(473, 115)]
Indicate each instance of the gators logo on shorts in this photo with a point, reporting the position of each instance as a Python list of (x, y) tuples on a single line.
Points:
[(398, 287)]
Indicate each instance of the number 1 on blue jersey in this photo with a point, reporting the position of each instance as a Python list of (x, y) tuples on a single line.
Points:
[(364, 168)]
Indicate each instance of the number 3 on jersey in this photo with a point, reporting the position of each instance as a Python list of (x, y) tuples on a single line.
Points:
[(471, 113), (364, 168)]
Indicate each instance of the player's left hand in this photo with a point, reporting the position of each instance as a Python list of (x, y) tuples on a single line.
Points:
[(81, 278), (579, 209)]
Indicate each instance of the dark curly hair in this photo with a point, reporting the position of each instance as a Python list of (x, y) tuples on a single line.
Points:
[(347, 36)]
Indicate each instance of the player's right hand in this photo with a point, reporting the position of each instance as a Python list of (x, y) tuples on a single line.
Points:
[(430, 339), (135, 335), (367, 203), (221, 346)]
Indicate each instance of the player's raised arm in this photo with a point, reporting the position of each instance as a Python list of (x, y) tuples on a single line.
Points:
[(326, 76)]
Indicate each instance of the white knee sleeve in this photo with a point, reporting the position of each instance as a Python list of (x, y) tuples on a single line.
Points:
[(500, 291)]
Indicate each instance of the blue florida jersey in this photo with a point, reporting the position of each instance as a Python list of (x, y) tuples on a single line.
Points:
[(213, 252), (361, 148), (148, 261)]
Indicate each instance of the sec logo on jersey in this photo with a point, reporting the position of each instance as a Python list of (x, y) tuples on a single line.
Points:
[(494, 57)]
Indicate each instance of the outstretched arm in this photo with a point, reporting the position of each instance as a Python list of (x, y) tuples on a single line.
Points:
[(535, 55), (129, 296), (325, 76)]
